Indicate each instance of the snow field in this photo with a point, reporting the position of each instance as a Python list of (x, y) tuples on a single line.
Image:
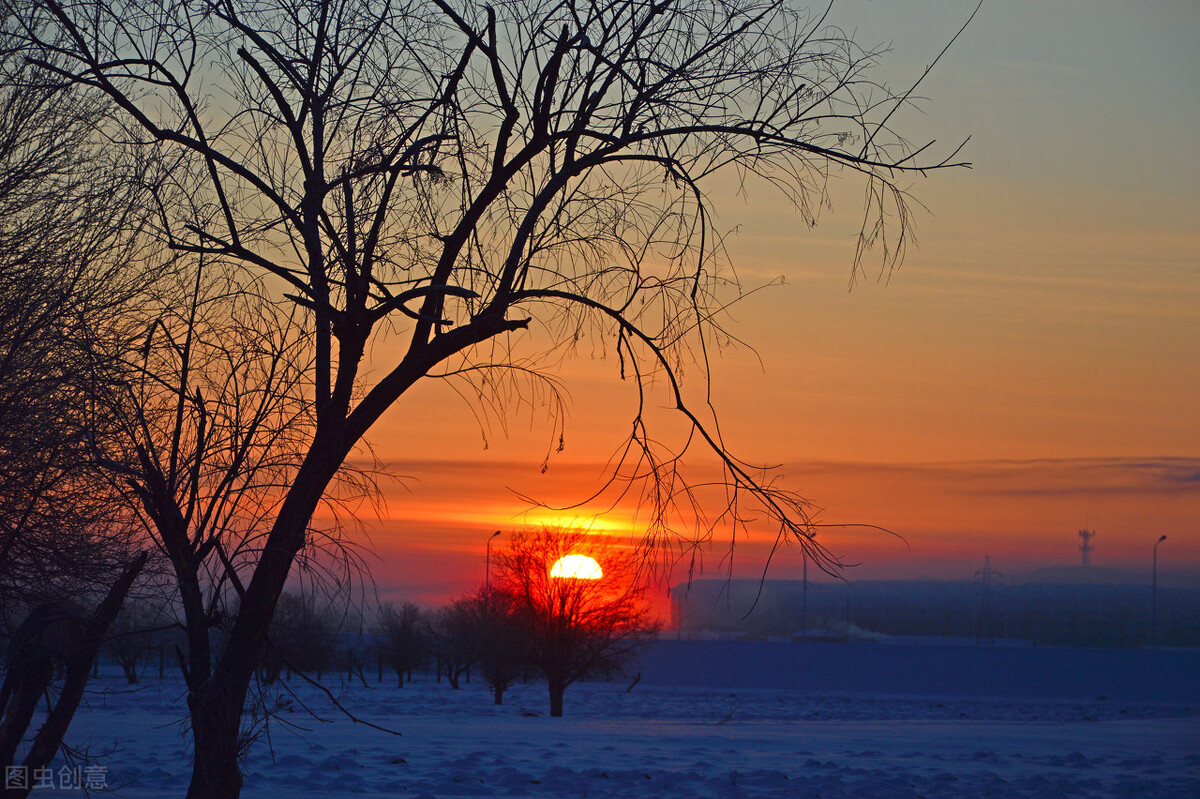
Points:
[(663, 740)]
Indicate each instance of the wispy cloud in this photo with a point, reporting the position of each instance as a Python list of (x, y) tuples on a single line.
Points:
[(1064, 477)]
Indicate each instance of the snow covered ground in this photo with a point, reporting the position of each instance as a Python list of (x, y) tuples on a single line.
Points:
[(723, 737)]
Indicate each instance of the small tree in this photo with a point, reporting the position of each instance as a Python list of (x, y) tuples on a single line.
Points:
[(405, 639), (503, 648), (454, 640), (303, 636), (481, 630), (573, 626), (131, 638)]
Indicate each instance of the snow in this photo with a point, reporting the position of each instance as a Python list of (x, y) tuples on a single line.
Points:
[(733, 732)]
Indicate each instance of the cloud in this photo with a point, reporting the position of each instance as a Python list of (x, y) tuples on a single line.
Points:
[(1065, 477)]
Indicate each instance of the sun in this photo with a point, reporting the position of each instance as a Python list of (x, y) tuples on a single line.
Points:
[(576, 567)]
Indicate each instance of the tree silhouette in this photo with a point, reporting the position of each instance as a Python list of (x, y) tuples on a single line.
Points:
[(208, 418), (405, 639), (573, 627), (455, 640), (303, 636), (481, 630), (503, 652), (134, 635), (68, 261), (443, 176)]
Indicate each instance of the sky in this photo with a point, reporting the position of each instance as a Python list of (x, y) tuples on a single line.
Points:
[(1032, 369)]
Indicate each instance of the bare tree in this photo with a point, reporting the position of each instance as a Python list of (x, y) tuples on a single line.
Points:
[(449, 175), (481, 630), (208, 418), (504, 657), (404, 639), (303, 636), (573, 627), (69, 258), (454, 641), (133, 636)]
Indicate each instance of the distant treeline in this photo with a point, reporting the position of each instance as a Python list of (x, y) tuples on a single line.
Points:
[(1052, 614)]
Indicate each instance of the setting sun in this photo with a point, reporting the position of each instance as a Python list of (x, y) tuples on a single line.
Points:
[(576, 567)]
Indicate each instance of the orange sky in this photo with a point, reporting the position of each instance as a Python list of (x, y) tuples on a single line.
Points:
[(1034, 367)]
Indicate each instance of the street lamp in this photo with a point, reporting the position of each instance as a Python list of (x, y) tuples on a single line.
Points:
[(487, 572), (1154, 594)]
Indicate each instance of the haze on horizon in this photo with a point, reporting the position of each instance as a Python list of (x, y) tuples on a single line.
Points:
[(1032, 369)]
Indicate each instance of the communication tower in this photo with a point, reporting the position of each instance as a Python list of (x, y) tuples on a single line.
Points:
[(1087, 546)]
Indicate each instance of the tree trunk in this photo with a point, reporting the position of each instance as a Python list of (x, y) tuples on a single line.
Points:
[(82, 659), (18, 711), (498, 693), (216, 720)]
